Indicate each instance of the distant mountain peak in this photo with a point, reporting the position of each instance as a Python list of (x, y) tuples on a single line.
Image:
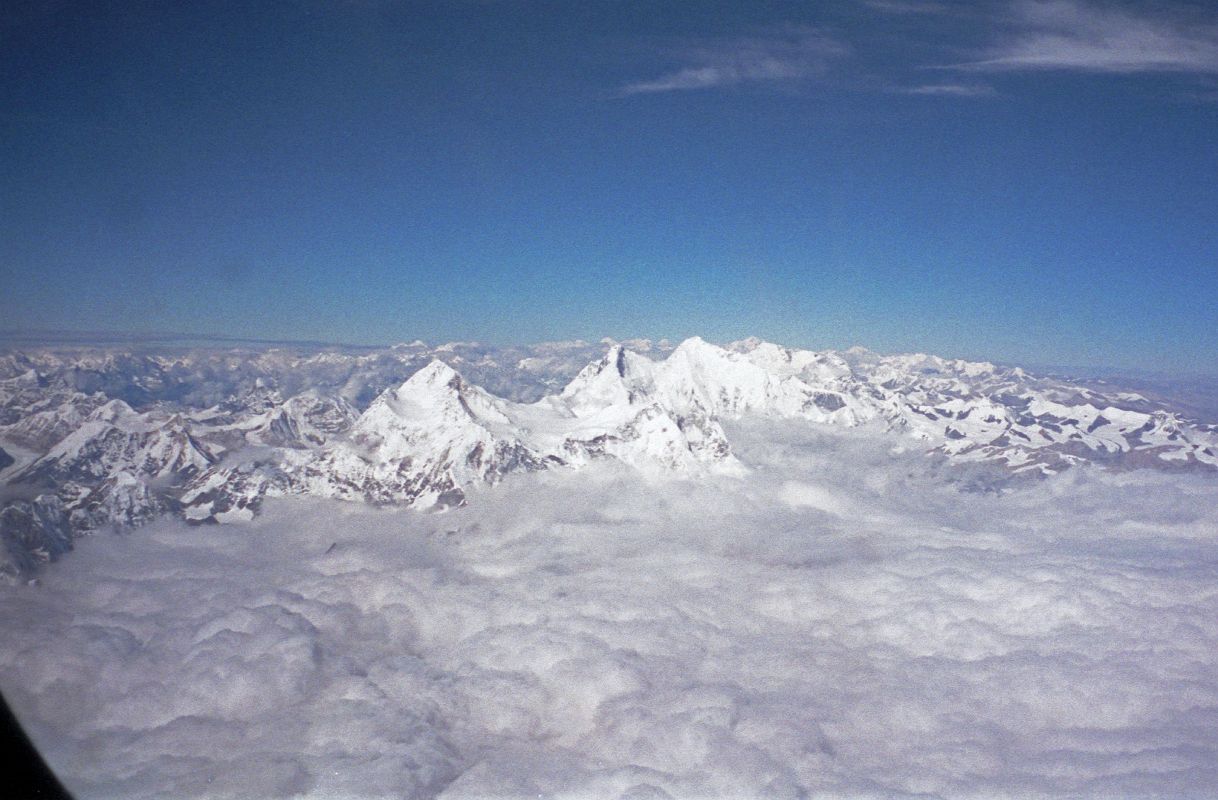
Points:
[(436, 372)]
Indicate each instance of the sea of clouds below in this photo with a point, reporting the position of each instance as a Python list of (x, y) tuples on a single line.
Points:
[(839, 623)]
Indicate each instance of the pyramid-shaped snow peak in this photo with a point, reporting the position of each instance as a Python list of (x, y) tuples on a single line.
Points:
[(434, 414), (622, 378)]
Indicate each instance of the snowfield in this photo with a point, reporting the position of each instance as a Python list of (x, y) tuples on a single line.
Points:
[(838, 621)]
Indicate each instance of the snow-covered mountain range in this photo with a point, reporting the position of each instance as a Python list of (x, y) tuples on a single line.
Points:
[(94, 438)]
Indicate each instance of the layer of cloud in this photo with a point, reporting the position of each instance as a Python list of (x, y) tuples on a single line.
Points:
[(841, 622), (792, 53), (1071, 35)]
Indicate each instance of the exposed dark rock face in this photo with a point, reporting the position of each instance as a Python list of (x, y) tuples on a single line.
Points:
[(32, 533)]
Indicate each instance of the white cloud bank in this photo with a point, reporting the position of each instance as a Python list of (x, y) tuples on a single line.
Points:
[(838, 623)]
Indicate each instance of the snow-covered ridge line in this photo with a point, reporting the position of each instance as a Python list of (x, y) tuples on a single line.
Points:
[(409, 425)]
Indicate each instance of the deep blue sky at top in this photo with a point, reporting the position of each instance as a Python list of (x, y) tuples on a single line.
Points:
[(1019, 181)]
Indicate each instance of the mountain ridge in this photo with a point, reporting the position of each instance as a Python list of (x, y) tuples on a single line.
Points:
[(116, 438)]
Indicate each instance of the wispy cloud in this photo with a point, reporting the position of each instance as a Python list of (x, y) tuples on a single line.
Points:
[(906, 6), (950, 90), (789, 54), (1071, 35)]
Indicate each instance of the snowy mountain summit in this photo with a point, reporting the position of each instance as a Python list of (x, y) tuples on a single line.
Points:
[(91, 440)]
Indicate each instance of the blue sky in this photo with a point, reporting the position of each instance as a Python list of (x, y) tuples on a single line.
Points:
[(1021, 181)]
